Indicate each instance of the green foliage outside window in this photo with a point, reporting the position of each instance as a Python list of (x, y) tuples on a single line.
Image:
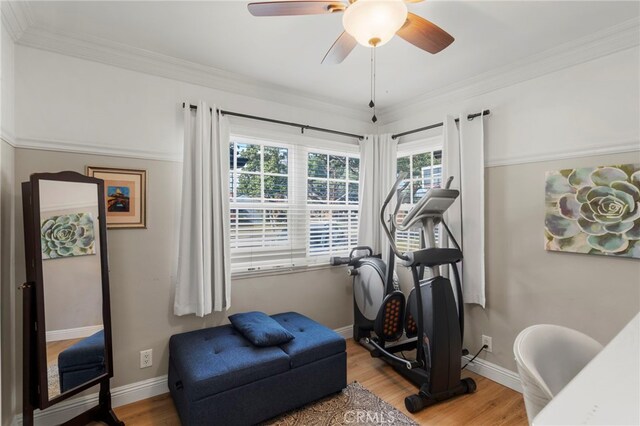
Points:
[(258, 165)]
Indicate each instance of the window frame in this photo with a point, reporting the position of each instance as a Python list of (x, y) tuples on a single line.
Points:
[(299, 228)]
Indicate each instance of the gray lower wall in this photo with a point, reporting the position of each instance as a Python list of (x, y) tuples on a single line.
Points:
[(525, 284), (141, 273), (7, 283)]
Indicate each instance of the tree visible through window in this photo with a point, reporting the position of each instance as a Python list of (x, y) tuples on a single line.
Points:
[(290, 205)]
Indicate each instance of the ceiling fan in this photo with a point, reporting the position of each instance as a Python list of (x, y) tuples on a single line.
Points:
[(371, 23)]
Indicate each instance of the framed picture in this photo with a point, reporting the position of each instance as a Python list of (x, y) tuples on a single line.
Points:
[(125, 196), (594, 210)]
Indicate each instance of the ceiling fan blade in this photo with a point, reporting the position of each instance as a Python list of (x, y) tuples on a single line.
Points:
[(340, 49), (290, 8), (424, 34)]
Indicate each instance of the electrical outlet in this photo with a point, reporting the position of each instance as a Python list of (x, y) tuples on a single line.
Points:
[(486, 340), (146, 358)]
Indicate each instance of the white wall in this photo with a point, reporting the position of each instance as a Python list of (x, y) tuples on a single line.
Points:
[(99, 107), (593, 105), (86, 111), (585, 115)]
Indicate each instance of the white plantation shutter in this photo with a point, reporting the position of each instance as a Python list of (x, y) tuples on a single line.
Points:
[(290, 205)]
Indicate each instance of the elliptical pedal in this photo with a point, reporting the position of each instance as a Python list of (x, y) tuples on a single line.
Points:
[(388, 324)]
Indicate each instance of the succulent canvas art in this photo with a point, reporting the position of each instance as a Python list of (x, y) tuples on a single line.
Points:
[(594, 210), (67, 235)]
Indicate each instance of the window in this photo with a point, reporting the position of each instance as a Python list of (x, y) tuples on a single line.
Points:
[(290, 205), (424, 171), (332, 198), (259, 191)]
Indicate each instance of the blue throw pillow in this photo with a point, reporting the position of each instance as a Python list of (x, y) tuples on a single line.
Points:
[(260, 329)]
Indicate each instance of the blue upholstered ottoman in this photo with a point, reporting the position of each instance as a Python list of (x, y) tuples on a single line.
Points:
[(81, 362), (216, 376)]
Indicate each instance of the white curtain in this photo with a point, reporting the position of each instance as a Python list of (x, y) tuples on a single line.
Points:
[(377, 175), (203, 269), (463, 158)]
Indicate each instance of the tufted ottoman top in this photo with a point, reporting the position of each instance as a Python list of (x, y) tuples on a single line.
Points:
[(313, 341), (216, 359)]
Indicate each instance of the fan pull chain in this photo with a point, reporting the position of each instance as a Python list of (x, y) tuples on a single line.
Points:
[(372, 103)]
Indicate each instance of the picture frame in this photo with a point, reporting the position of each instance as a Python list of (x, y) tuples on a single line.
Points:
[(594, 210), (125, 192)]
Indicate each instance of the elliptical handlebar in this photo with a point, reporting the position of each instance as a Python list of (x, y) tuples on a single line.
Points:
[(394, 190), (448, 184), (351, 259)]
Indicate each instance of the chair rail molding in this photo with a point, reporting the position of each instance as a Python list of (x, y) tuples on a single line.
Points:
[(7, 136), (604, 148), (94, 148)]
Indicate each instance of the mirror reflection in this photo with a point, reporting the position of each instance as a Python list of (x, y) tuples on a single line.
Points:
[(72, 282)]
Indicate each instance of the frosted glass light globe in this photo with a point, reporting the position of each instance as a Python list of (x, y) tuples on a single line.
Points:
[(374, 22)]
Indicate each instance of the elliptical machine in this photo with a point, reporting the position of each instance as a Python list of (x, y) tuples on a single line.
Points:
[(430, 318)]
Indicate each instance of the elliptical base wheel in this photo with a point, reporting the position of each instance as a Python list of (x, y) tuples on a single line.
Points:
[(414, 403), (469, 385), (418, 402)]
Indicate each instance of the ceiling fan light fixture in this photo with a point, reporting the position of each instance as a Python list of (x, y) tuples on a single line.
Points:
[(374, 22)]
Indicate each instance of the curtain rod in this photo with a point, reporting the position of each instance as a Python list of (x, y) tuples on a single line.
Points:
[(302, 127), (434, 126)]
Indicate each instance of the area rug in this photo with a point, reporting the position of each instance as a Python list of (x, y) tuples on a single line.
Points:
[(355, 405), (53, 380)]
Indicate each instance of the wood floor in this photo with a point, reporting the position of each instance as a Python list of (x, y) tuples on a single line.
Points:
[(491, 404)]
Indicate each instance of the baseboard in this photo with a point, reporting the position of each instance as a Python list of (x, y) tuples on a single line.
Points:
[(134, 392), (72, 333), (494, 372), (121, 395), (484, 368), (346, 332)]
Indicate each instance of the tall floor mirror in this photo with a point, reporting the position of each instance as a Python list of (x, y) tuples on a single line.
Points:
[(67, 317)]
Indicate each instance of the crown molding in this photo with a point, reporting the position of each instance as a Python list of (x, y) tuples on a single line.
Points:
[(145, 61), (16, 17), (619, 37)]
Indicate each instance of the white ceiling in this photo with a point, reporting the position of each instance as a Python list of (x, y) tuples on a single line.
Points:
[(286, 51)]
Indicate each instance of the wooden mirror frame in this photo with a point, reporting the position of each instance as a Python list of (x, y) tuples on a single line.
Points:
[(35, 384)]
